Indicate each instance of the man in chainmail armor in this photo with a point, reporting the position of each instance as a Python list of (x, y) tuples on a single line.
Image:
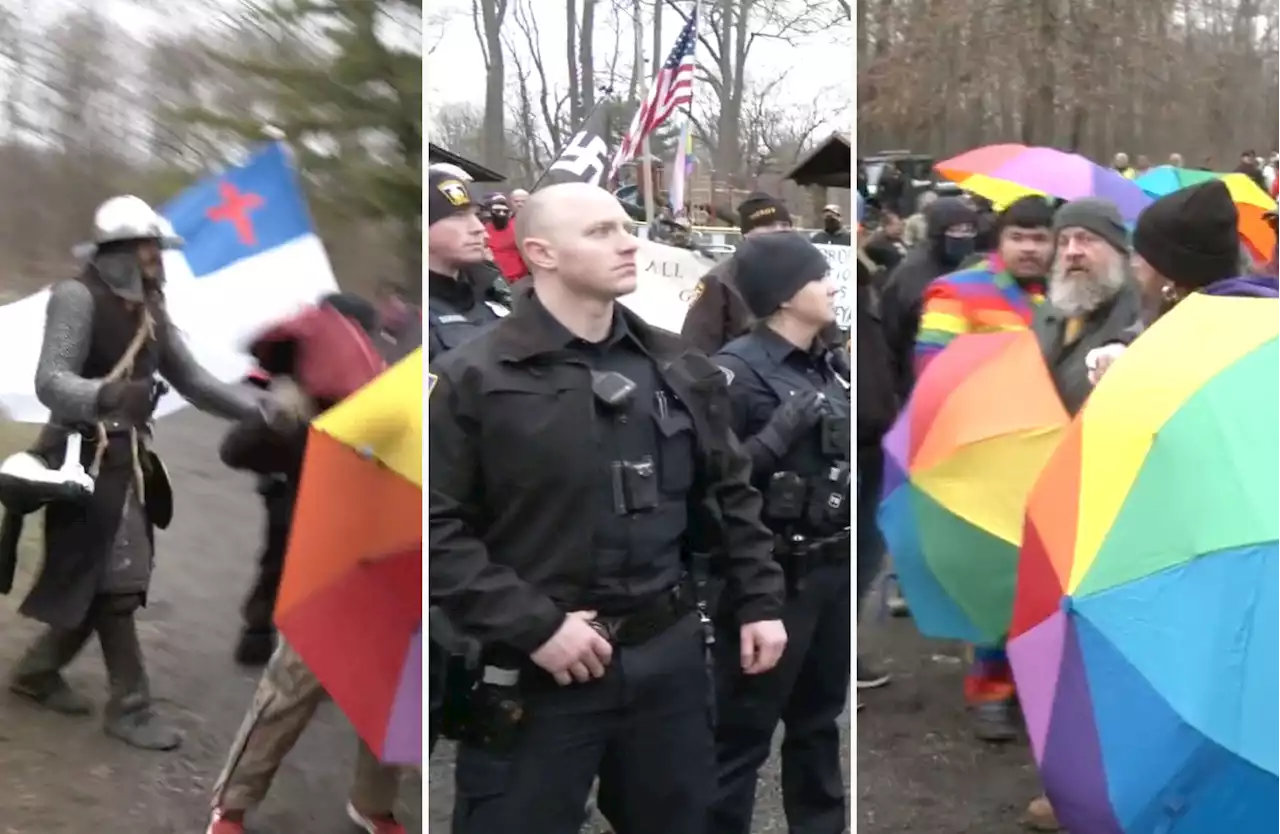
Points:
[(107, 338)]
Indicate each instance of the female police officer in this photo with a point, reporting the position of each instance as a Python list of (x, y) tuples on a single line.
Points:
[(791, 409)]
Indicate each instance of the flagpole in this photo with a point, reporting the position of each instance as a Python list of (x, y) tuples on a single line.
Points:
[(606, 92), (646, 165), (686, 135)]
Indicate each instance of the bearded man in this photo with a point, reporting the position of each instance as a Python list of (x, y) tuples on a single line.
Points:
[(1092, 298)]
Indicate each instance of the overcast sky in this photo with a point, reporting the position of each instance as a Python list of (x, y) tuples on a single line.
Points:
[(455, 72)]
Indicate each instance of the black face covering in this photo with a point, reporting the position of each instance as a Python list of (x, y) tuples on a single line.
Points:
[(500, 219), (831, 224)]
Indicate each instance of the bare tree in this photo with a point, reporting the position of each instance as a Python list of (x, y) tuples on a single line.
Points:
[(1152, 77), (487, 17)]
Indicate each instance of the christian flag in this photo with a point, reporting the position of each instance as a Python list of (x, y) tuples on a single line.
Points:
[(585, 158)]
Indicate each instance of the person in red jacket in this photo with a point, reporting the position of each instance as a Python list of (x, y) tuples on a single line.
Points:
[(502, 239)]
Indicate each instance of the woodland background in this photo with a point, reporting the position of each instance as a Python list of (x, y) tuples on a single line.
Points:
[(1154, 77), (95, 101), (750, 125)]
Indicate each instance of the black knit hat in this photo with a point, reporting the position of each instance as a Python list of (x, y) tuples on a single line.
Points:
[(447, 195), (770, 269), (1191, 235), (759, 209)]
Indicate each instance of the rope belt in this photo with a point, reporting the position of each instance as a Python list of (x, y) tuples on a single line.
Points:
[(124, 367)]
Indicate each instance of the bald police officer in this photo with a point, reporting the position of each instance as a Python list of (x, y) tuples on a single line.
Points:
[(575, 450)]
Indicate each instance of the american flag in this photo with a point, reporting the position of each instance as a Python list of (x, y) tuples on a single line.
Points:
[(671, 88)]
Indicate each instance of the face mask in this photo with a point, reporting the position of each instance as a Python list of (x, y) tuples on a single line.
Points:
[(831, 224), (956, 249), (500, 219)]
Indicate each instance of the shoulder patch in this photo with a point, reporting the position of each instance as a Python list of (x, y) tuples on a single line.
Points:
[(431, 383), (728, 374), (698, 290)]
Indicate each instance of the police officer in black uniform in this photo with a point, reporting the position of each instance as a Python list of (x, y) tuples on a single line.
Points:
[(791, 409), (463, 298), (464, 294), (575, 451)]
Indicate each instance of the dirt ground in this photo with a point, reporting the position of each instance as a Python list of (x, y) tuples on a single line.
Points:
[(919, 768), (63, 776)]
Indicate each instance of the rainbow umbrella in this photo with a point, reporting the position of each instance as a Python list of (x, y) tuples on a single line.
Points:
[(1003, 173), (1251, 201), (351, 598), (959, 462), (1144, 635)]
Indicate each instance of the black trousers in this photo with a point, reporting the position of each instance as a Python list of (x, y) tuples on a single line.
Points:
[(259, 606), (807, 691), (644, 729)]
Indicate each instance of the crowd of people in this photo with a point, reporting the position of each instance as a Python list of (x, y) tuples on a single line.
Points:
[(1075, 275)]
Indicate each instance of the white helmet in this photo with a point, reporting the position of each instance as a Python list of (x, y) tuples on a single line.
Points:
[(131, 218), (452, 170)]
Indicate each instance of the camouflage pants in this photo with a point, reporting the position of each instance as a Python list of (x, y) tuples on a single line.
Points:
[(287, 697)]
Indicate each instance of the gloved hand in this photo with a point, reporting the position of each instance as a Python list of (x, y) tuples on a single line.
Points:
[(793, 419), (129, 400)]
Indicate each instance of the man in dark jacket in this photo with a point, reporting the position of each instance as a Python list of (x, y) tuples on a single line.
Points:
[(1250, 167), (951, 227), (877, 407), (718, 314), (1092, 298)]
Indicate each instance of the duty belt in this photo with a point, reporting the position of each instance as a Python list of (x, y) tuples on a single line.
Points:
[(647, 622)]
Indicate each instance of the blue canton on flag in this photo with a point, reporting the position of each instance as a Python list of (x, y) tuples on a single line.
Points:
[(241, 212)]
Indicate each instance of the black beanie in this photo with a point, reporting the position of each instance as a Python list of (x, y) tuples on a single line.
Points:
[(759, 209), (1191, 236), (770, 269), (447, 196)]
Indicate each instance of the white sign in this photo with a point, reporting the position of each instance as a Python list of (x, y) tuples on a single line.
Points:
[(667, 282), (666, 279), (841, 260)]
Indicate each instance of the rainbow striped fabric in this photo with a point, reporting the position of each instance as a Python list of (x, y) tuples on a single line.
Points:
[(982, 299)]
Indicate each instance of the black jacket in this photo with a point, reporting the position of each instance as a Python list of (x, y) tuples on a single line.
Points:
[(877, 399), (510, 548), (903, 297)]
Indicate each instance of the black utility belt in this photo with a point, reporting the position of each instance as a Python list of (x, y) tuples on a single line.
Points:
[(649, 621), (815, 551)]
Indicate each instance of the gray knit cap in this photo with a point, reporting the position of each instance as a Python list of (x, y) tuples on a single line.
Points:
[(1095, 215)]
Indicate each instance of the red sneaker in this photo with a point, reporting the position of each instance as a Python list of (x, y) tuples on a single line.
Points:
[(221, 823), (370, 824)]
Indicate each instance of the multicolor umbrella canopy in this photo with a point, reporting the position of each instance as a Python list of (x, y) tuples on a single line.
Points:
[(1003, 173), (351, 598), (1251, 201), (982, 420), (1144, 639)]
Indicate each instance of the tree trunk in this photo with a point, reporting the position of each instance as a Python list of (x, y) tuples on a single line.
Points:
[(495, 83), (587, 58), (571, 55)]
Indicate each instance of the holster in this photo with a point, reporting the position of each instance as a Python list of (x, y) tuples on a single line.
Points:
[(456, 714), (10, 535), (799, 556), (158, 499)]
